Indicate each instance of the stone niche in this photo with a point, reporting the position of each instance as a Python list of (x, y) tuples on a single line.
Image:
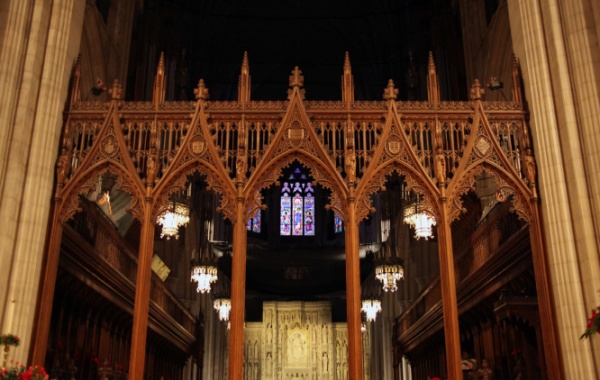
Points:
[(297, 340)]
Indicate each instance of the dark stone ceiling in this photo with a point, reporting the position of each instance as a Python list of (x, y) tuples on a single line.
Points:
[(314, 35)]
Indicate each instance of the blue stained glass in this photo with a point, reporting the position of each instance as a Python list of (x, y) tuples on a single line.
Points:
[(256, 222), (286, 220), (339, 226), (297, 215), (309, 215), (249, 225)]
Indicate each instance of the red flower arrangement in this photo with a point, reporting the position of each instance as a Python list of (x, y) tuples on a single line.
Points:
[(593, 325), (19, 372)]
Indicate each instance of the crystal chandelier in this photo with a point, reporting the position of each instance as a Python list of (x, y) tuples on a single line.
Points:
[(371, 297), (389, 274), (371, 308), (204, 271), (175, 216), (389, 270), (420, 219), (222, 306), (204, 275)]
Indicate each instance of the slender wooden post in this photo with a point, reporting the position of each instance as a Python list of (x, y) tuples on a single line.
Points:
[(142, 296), (353, 294), (238, 293), (48, 284), (554, 365), (448, 284)]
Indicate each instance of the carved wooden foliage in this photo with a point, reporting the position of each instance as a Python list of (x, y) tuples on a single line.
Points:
[(108, 152), (483, 153)]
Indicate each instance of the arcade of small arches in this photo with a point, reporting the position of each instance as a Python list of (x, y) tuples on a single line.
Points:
[(348, 148)]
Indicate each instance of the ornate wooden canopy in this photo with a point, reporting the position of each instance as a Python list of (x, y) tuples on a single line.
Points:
[(350, 146)]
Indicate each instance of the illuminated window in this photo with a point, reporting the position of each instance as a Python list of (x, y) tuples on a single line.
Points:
[(254, 223), (339, 225), (297, 206)]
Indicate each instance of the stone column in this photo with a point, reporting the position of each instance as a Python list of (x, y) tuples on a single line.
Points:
[(40, 40), (557, 45)]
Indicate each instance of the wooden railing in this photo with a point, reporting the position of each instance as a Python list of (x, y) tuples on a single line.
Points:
[(106, 243), (486, 240)]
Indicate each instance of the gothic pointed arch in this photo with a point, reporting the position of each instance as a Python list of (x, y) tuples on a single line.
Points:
[(101, 149), (489, 150), (196, 154), (396, 154), (295, 140)]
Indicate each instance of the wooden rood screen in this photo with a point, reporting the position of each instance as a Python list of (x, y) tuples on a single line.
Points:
[(349, 146)]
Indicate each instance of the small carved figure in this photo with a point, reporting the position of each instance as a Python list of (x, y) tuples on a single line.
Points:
[(63, 167), (351, 164), (529, 166), (485, 372), (440, 167)]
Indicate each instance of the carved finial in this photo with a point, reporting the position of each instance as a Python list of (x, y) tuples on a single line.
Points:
[(390, 92), (201, 91), (158, 94), (296, 79), (517, 87), (115, 91), (347, 81), (244, 81), (476, 90), (433, 87)]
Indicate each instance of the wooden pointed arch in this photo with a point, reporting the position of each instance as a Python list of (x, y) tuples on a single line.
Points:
[(108, 153), (484, 153), (296, 140), (395, 154), (196, 154)]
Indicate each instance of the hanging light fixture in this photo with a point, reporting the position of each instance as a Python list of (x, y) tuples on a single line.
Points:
[(222, 297), (371, 298), (419, 218), (223, 307), (175, 215), (371, 308), (204, 270), (389, 270)]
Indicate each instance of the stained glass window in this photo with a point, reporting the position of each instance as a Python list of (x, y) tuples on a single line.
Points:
[(339, 226), (297, 206), (254, 223)]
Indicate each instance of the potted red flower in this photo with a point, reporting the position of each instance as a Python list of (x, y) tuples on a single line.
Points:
[(593, 325)]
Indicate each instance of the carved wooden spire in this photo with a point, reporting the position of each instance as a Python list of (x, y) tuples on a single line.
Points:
[(296, 82), (433, 87), (158, 94), (390, 92), (517, 86), (347, 82), (244, 81)]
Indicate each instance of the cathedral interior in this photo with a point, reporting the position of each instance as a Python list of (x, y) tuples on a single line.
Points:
[(304, 190)]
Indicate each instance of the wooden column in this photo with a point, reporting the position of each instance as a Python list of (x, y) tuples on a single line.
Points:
[(39, 340), (238, 293), (448, 285), (551, 343), (353, 294), (142, 296)]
